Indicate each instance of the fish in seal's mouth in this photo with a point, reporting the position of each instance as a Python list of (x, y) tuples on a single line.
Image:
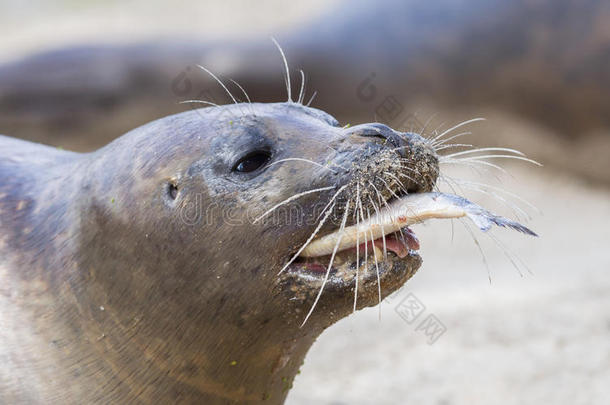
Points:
[(388, 230), (384, 239)]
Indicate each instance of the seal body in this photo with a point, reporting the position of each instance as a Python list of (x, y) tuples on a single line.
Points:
[(135, 273)]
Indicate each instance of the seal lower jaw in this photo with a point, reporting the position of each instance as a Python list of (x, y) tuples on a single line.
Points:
[(302, 286)]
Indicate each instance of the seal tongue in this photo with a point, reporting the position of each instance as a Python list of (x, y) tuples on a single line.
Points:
[(400, 246), (393, 245)]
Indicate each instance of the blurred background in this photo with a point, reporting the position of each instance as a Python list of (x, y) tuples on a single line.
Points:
[(520, 320)]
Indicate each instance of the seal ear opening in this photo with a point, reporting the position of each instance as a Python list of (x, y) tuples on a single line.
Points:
[(172, 190)]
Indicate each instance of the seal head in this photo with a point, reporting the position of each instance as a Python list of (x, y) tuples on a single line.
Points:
[(165, 265)]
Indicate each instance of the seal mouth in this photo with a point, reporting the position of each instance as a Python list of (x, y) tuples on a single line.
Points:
[(362, 256), (358, 275), (372, 257), (384, 240)]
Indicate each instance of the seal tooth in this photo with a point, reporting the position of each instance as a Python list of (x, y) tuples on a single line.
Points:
[(339, 260)]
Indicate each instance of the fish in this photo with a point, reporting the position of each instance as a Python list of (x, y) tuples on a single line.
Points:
[(409, 210)]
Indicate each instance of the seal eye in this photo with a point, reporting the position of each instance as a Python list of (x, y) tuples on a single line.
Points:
[(252, 161)]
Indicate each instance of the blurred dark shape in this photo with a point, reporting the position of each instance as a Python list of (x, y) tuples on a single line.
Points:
[(546, 60)]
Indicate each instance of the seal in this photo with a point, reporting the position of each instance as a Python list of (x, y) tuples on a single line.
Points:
[(147, 271)]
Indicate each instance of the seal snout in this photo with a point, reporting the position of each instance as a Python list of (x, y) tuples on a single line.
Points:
[(383, 166), (388, 164)]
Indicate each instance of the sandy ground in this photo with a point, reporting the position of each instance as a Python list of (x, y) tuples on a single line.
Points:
[(540, 338)]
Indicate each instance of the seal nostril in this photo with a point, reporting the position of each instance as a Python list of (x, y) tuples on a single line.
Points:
[(172, 191)]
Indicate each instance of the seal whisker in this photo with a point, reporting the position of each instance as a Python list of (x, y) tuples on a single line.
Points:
[(410, 178), (313, 235), (287, 78), (365, 238), (438, 128), (473, 163), (219, 82), (465, 183), (452, 145), (478, 245), (404, 188), (357, 203), (302, 91), (376, 263), (387, 186), (386, 203), (461, 124), (515, 208), (505, 253), (475, 150), (292, 198), (245, 94), (328, 209), (206, 103), (447, 181), (332, 199), (410, 169), (403, 161), (508, 253), (315, 93), (423, 129), (440, 142), (199, 102), (385, 251), (480, 167), (399, 148), (436, 187), (330, 264), (517, 211), (302, 160), (366, 243), (483, 157)]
